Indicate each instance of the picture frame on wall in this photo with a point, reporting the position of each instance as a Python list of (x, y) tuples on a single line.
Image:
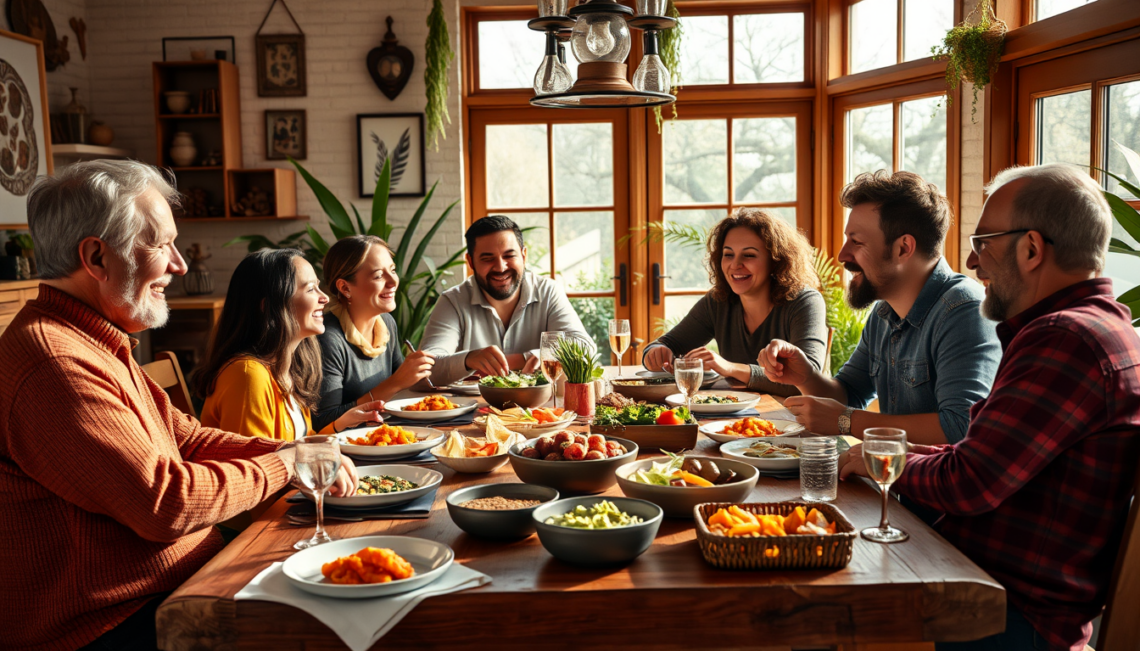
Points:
[(286, 135), (198, 48), (25, 150), (398, 137), (281, 65)]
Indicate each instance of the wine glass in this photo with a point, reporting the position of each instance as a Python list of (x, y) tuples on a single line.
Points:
[(551, 367), (688, 373), (619, 339), (317, 464), (884, 455)]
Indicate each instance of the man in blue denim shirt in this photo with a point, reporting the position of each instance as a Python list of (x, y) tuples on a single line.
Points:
[(926, 368)]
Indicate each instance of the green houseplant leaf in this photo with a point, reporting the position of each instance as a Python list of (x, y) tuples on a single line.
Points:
[(380, 227), (338, 216)]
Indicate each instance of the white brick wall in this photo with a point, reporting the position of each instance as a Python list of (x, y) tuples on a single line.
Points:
[(125, 36), (973, 154)]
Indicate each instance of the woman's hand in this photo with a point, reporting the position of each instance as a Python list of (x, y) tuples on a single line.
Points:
[(346, 479), (713, 362), (659, 358), (364, 414), (416, 367)]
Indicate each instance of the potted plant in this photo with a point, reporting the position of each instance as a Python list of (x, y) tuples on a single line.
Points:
[(973, 51), (580, 366)]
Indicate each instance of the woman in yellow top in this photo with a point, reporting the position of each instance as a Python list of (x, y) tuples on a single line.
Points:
[(262, 375)]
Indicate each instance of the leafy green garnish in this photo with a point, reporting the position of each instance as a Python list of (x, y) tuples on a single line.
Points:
[(514, 381), (640, 414)]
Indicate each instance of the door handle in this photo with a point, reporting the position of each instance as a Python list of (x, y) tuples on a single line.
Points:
[(657, 277), (623, 285)]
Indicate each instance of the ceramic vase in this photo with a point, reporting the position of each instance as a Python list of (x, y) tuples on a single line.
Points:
[(178, 101), (76, 117), (197, 280), (182, 149), (100, 134), (580, 398)]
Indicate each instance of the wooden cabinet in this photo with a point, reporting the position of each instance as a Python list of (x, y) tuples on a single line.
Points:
[(13, 295)]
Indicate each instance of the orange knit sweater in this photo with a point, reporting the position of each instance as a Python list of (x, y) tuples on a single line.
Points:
[(107, 493)]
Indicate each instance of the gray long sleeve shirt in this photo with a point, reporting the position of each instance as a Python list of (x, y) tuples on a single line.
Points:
[(348, 373), (463, 321), (801, 322)]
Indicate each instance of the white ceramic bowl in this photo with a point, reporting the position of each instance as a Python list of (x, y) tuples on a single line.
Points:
[(735, 450), (426, 480), (744, 401), (426, 437), (396, 408), (429, 558), (471, 465), (713, 430)]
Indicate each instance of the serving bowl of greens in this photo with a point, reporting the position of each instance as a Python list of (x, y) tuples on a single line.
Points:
[(677, 483), (650, 426), (524, 390)]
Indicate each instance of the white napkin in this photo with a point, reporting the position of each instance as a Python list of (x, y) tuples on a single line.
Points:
[(778, 414), (358, 622)]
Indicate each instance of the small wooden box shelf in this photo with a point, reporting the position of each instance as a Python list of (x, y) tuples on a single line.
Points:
[(279, 184)]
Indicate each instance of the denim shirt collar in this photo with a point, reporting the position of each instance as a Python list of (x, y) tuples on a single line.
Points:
[(930, 294)]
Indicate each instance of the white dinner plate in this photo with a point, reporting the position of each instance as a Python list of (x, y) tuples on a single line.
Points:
[(709, 376), (744, 401), (713, 430), (532, 430), (429, 558), (396, 408), (425, 479), (735, 450), (426, 437)]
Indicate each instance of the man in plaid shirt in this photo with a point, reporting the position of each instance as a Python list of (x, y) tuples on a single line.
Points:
[(1038, 492)]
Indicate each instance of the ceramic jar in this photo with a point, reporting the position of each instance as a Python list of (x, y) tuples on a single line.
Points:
[(177, 101), (100, 134), (182, 149), (580, 398)]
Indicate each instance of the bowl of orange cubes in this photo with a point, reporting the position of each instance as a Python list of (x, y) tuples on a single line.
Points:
[(775, 535), (388, 441)]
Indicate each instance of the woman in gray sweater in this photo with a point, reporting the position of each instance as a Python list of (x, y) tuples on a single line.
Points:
[(360, 347), (764, 288)]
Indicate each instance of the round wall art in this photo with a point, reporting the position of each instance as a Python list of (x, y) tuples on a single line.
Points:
[(19, 156)]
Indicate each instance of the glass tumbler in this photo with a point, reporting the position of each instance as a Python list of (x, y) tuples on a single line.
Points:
[(819, 469)]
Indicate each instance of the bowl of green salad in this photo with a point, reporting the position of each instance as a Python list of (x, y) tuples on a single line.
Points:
[(526, 390)]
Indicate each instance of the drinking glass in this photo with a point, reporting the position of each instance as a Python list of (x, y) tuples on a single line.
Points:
[(884, 455), (317, 464), (688, 373), (619, 339), (551, 367)]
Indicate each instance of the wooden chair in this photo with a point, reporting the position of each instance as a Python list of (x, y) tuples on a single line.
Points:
[(166, 372), (1120, 628)]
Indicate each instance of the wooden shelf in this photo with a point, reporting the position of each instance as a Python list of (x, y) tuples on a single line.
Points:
[(75, 150), (189, 116), (211, 168), (269, 218)]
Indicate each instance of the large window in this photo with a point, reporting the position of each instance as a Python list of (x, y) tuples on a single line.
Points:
[(1043, 9), (743, 47), (886, 32)]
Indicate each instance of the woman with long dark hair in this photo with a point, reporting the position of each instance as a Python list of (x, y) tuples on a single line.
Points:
[(262, 376), (764, 287)]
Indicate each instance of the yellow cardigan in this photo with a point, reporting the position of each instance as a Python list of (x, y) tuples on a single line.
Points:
[(247, 400)]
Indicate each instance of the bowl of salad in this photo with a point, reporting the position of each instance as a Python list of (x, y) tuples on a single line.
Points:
[(677, 482), (524, 390)]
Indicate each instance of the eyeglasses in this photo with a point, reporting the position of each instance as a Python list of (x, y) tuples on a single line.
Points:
[(978, 242)]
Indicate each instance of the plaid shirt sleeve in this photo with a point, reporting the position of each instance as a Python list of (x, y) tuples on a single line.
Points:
[(1049, 392)]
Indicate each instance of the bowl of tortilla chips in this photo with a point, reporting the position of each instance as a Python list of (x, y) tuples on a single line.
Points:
[(476, 455)]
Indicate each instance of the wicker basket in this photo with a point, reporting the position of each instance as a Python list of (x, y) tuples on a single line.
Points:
[(793, 552)]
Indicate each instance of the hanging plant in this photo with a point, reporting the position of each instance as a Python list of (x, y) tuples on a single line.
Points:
[(669, 49), (973, 51), (439, 55)]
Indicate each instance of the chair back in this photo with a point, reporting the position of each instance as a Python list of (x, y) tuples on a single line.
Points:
[(827, 355), (1120, 627), (166, 373)]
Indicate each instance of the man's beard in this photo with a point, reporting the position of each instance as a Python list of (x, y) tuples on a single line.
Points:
[(500, 294), (1004, 286), (862, 293), (148, 312)]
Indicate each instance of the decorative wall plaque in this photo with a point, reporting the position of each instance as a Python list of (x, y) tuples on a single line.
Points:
[(390, 64)]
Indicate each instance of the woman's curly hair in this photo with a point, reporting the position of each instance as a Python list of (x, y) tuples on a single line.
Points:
[(791, 271)]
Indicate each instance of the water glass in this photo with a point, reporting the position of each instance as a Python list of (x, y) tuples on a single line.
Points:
[(819, 469), (317, 463), (884, 456)]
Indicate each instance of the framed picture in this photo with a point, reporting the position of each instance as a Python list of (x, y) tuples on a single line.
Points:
[(25, 147), (198, 48), (286, 134), (280, 65), (398, 137)]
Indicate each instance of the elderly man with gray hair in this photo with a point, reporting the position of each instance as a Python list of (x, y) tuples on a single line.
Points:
[(109, 494), (1038, 491)]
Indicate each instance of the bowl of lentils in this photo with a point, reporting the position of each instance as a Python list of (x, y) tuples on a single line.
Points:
[(498, 511)]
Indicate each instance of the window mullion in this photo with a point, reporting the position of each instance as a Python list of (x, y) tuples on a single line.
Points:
[(550, 196)]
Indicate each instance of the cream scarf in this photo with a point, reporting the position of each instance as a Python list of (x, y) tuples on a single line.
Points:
[(380, 333)]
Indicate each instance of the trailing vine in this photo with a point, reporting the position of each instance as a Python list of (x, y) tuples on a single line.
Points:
[(973, 52), (669, 49), (439, 55)]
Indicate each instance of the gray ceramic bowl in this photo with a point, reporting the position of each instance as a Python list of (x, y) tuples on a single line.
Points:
[(571, 477), (598, 546), (498, 525), (678, 502), (528, 397)]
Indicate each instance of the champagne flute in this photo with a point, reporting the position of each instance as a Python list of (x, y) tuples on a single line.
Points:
[(688, 373), (551, 367), (884, 455), (619, 339), (317, 464)]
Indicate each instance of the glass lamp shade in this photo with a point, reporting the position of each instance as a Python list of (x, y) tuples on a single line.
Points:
[(651, 75), (600, 37), (552, 77)]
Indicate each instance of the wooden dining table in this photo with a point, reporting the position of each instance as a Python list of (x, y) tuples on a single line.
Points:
[(668, 598)]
